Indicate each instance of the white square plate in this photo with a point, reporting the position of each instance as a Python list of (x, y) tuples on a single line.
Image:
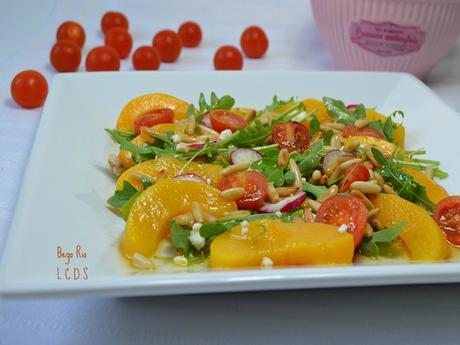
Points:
[(62, 203)]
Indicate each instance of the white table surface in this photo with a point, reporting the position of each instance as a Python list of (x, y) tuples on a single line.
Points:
[(386, 315)]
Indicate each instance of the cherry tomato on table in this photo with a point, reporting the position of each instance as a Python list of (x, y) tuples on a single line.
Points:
[(114, 20), (102, 59), (352, 130), (291, 135), (254, 183), (29, 89), (65, 56), (168, 44), (146, 58), (224, 119), (120, 40), (155, 117), (345, 209), (71, 31), (190, 33), (254, 42), (228, 58), (447, 215), (357, 172)]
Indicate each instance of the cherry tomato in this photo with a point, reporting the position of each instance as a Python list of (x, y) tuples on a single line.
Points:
[(352, 130), (254, 42), (114, 20), (120, 40), (168, 44), (345, 209), (228, 58), (190, 33), (357, 172), (65, 56), (102, 59), (155, 117), (29, 89), (71, 31), (146, 58), (255, 185), (291, 135), (224, 119), (447, 215)]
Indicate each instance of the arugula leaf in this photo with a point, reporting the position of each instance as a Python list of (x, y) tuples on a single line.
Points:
[(388, 129), (310, 159), (378, 243), (328, 137), (377, 125), (127, 135), (179, 238), (127, 206), (269, 167), (317, 191), (125, 144), (225, 102), (121, 197), (314, 125), (338, 110), (277, 103)]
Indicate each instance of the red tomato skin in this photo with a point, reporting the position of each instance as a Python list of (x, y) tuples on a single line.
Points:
[(357, 172), (291, 135), (155, 117), (113, 19), (120, 40), (146, 58), (169, 45), (447, 215), (255, 184), (224, 119), (72, 31), (228, 58), (29, 89), (102, 59), (191, 34), (65, 56), (254, 42), (345, 209), (352, 130)]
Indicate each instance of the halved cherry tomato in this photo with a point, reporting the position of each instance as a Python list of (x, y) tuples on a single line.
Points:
[(71, 31), (155, 117), (255, 184), (254, 42), (120, 40), (291, 135), (345, 209), (357, 172), (190, 33), (352, 130), (447, 215), (228, 58), (114, 20), (224, 119)]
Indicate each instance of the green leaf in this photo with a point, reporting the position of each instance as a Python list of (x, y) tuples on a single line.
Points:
[(317, 191), (379, 157), (127, 206), (380, 241), (310, 159), (328, 137), (388, 234), (127, 135), (388, 129), (225, 102), (121, 197), (211, 230), (314, 125), (126, 144), (359, 112), (289, 178), (369, 248), (269, 167), (377, 125), (179, 238), (338, 110)]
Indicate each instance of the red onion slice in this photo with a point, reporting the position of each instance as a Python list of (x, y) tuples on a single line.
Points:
[(352, 107), (206, 120), (285, 205), (244, 155), (190, 177), (332, 156)]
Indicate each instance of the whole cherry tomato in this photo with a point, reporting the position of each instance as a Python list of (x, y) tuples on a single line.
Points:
[(120, 40), (102, 59), (190, 33), (71, 31), (254, 42), (114, 20), (65, 56), (228, 58), (291, 135), (29, 89), (146, 58), (352, 130), (224, 119), (447, 215), (169, 45), (155, 117), (345, 209), (254, 183), (357, 172)]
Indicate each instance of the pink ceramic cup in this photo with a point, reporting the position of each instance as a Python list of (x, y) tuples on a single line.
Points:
[(388, 35)]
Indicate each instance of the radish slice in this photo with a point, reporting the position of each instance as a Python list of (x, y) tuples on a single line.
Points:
[(206, 120), (199, 145), (190, 177), (352, 107), (244, 156), (332, 156), (285, 205)]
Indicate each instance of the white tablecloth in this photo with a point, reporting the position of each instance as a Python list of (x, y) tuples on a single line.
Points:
[(387, 315)]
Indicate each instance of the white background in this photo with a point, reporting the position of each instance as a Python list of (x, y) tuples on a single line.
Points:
[(409, 315)]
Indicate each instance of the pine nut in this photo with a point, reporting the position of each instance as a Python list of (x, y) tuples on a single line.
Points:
[(286, 191), (335, 125), (184, 219), (295, 170), (379, 178), (368, 232), (308, 215), (370, 156), (197, 212), (208, 131), (191, 123), (388, 190), (283, 158), (314, 204), (345, 165), (332, 191), (366, 187), (336, 141), (316, 175), (372, 213), (351, 146), (114, 161), (368, 165), (272, 194), (361, 123), (140, 261), (210, 218), (233, 194), (235, 168), (364, 199)]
